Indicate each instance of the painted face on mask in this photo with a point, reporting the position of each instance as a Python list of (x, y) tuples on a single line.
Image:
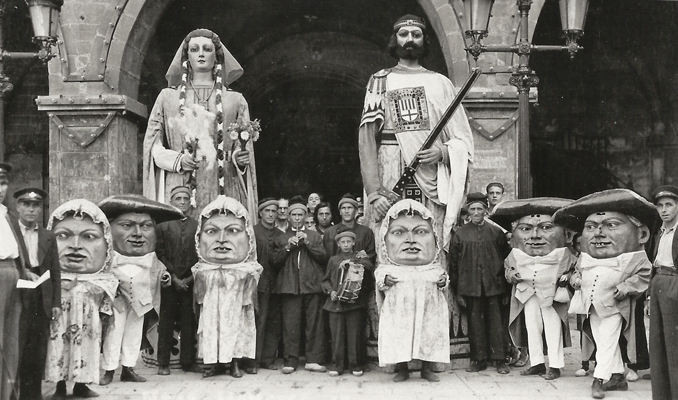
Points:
[(537, 235), (609, 234), (224, 240), (133, 234), (81, 245), (410, 241)]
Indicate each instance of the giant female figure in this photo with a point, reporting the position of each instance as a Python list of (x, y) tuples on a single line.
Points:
[(185, 143)]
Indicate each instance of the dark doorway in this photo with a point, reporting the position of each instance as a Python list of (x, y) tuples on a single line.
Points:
[(310, 139)]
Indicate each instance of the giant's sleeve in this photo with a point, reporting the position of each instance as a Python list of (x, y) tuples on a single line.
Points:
[(154, 146), (370, 124)]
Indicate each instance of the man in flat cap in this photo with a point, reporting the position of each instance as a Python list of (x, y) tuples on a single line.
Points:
[(14, 264), (476, 260), (537, 267), (402, 105), (301, 257), (269, 322), (612, 271), (133, 222), (664, 298), (42, 304), (176, 250)]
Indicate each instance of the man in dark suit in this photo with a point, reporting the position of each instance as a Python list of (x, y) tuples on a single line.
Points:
[(40, 304), (664, 298), (13, 261)]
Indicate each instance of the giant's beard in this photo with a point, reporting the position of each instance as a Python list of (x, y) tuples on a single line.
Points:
[(410, 51)]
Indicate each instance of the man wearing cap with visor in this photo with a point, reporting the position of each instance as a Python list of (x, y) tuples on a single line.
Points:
[(611, 273), (13, 266), (664, 298), (476, 260), (42, 303)]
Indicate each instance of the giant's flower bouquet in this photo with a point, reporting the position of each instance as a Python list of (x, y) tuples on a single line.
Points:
[(244, 131)]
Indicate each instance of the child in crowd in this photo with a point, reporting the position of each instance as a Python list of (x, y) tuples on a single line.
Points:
[(346, 311)]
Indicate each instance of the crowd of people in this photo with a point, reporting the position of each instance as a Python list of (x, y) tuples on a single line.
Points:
[(249, 280)]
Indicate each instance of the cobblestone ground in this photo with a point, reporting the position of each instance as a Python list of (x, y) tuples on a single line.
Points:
[(302, 385)]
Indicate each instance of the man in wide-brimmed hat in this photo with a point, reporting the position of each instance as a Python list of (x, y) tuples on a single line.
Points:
[(133, 222), (538, 268), (613, 270)]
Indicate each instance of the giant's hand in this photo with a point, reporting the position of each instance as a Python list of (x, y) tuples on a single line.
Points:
[(242, 158), (430, 156), (381, 206), (188, 163)]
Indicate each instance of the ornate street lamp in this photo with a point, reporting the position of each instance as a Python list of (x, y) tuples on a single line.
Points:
[(44, 17), (478, 13)]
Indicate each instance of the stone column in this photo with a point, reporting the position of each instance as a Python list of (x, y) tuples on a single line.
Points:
[(92, 146)]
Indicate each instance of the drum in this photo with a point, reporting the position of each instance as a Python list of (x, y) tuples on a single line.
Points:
[(350, 282)]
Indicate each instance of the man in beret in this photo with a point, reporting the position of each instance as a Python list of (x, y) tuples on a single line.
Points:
[(40, 304), (539, 263), (14, 264), (364, 240), (176, 250), (302, 258), (133, 222), (612, 271), (476, 260), (664, 298), (268, 320)]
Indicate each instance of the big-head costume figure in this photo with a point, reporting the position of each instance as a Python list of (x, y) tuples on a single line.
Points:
[(411, 281), (537, 267), (133, 220), (225, 285), (187, 128), (402, 105), (88, 288), (612, 271)]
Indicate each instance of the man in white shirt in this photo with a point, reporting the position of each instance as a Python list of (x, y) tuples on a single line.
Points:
[(664, 298), (13, 263), (40, 304)]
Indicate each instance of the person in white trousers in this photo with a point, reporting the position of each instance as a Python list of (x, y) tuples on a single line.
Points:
[(538, 267), (612, 271), (141, 274)]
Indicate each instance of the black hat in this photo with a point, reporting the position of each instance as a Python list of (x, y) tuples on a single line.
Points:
[(624, 201), (665, 191), (114, 206), (5, 168), (30, 194), (512, 210), (476, 197)]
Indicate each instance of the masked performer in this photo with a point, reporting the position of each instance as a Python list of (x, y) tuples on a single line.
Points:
[(538, 267), (612, 271), (225, 285), (411, 280), (88, 287)]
